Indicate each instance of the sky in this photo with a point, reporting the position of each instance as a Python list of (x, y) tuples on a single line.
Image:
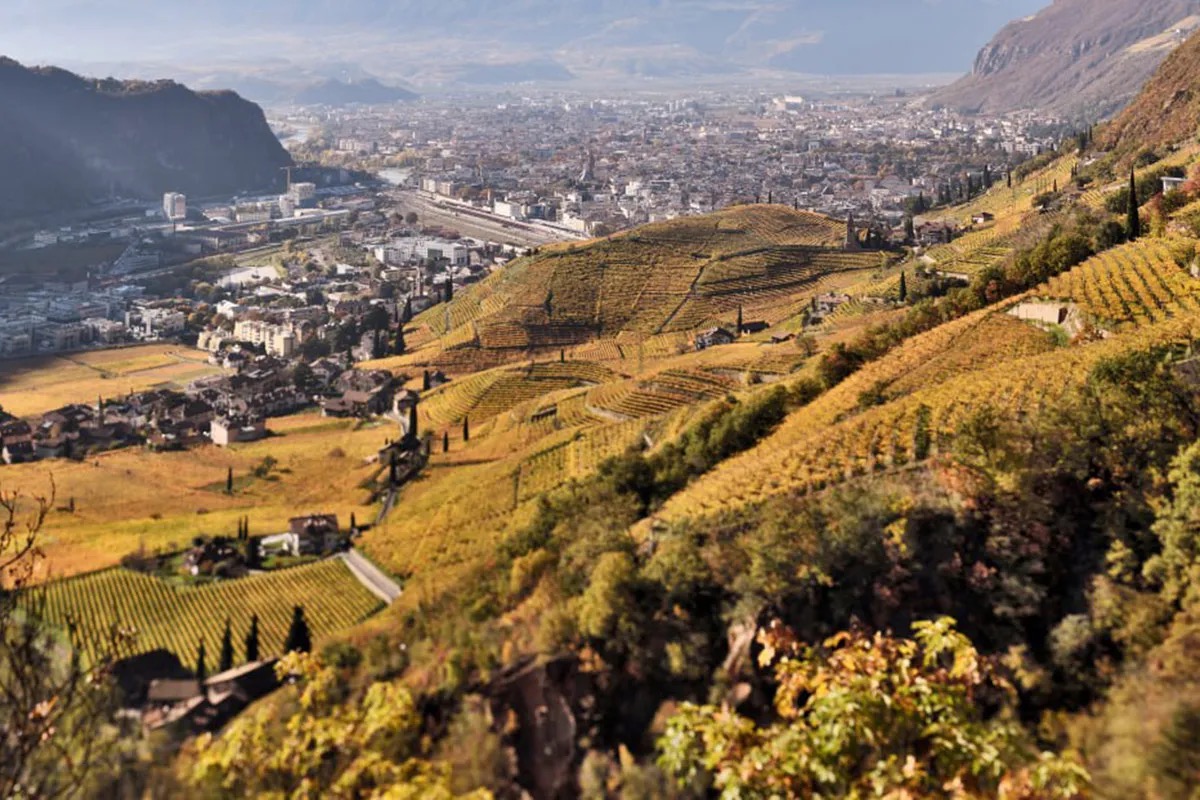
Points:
[(400, 36)]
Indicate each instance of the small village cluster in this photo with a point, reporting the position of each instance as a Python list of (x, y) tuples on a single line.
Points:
[(222, 410)]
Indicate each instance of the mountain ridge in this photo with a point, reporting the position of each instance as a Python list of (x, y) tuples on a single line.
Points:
[(814, 37), (66, 140), (368, 91), (1083, 59), (1166, 112)]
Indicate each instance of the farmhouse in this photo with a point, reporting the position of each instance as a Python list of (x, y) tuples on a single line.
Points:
[(16, 441), (364, 394), (712, 337), (755, 326), (317, 534), (825, 304), (232, 430), (190, 706)]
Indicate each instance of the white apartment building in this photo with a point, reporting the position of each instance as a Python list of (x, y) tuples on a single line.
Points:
[(175, 206), (278, 340), (402, 251)]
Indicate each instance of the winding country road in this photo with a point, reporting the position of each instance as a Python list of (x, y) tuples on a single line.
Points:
[(371, 576)]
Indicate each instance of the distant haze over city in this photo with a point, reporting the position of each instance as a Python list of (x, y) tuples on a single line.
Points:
[(428, 43)]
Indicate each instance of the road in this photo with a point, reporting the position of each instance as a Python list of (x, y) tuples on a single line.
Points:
[(371, 576)]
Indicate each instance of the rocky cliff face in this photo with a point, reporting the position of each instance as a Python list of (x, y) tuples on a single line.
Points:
[(1081, 58), (1165, 113), (66, 141)]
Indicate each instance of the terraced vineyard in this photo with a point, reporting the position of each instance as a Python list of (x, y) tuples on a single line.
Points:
[(660, 394), (484, 395), (669, 278), (177, 619), (1135, 283), (985, 247), (834, 439), (976, 251), (455, 516)]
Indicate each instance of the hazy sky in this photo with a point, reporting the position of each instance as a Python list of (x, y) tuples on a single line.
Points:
[(825, 36)]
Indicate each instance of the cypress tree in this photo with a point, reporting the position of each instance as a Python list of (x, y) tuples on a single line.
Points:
[(412, 420), (298, 639), (252, 640), (226, 661), (466, 429), (903, 287), (229, 481), (353, 521), (425, 381), (446, 441), (1010, 179), (1133, 221), (740, 326), (201, 669), (250, 552)]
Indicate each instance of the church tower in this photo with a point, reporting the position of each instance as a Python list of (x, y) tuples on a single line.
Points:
[(589, 169)]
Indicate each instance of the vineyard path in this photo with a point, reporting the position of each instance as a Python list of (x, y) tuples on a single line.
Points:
[(371, 576)]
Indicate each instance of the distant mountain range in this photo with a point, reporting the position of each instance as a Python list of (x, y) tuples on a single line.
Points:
[(66, 141), (1081, 58), (368, 91), (425, 41)]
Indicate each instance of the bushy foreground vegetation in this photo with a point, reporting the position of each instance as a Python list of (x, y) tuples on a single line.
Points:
[(1063, 562)]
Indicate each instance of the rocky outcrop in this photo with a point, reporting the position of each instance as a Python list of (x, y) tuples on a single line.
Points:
[(1164, 114), (1084, 59), (67, 141), (547, 704)]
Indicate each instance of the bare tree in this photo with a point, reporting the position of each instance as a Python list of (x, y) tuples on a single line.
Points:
[(56, 700)]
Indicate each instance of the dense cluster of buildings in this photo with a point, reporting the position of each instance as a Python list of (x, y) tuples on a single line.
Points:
[(55, 317), (596, 165)]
